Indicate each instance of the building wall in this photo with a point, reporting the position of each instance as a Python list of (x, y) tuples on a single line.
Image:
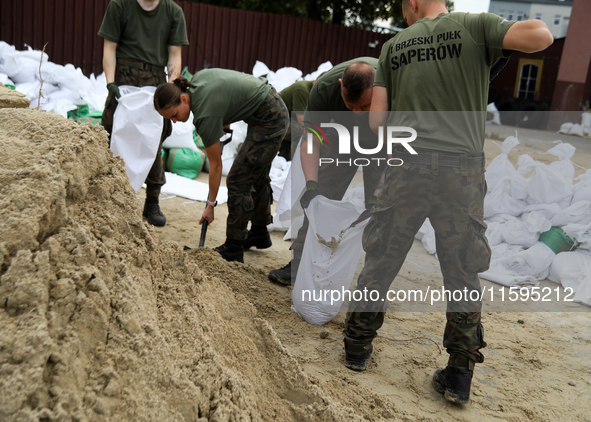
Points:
[(512, 10), (549, 12)]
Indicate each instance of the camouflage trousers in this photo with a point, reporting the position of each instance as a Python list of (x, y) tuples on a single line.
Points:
[(333, 181), (139, 74), (292, 138), (452, 197), (249, 185)]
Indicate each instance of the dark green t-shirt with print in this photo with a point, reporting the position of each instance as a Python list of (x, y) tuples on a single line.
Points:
[(443, 65), (220, 97), (144, 36)]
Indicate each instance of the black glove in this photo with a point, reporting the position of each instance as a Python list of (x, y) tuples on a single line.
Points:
[(364, 215), (307, 197), (113, 90)]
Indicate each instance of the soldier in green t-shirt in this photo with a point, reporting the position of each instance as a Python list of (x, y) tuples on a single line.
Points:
[(441, 63), (295, 98), (217, 98), (343, 96), (141, 38)]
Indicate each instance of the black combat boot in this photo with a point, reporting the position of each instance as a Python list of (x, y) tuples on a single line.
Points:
[(152, 212), (357, 354), (454, 383), (283, 275), (258, 237), (232, 250)]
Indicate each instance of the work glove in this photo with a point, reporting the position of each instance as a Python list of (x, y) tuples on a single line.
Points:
[(114, 90), (311, 193)]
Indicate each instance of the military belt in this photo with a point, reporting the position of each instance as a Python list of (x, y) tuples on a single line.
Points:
[(140, 65)]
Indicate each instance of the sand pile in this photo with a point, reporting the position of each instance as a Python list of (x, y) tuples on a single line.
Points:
[(100, 319)]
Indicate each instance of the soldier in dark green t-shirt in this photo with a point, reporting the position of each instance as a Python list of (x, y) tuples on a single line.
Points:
[(435, 75), (141, 38), (295, 98), (217, 98), (343, 96)]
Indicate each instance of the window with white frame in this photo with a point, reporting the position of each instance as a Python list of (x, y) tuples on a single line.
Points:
[(556, 20), (519, 17), (539, 16), (510, 16)]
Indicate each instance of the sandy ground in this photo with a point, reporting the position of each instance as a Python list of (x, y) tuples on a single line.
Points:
[(537, 367), (105, 318)]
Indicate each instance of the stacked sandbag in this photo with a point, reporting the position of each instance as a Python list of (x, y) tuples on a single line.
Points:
[(49, 86), (531, 221)]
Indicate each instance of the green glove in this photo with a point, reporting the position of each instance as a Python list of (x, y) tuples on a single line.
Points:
[(113, 90)]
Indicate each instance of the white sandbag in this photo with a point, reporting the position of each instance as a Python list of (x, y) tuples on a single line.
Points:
[(5, 80), (20, 69), (581, 233), (573, 269), (278, 174), (29, 90), (284, 77), (95, 93), (494, 233), (60, 107), (501, 167), (534, 261), (547, 210), (579, 212), (518, 233), (426, 235), (586, 119), (582, 189), (324, 67), (260, 69), (504, 250), (137, 128), (182, 135), (329, 259), (536, 222), (5, 50), (492, 108), (36, 55), (499, 274), (577, 130), (565, 128), (500, 201), (545, 185), (564, 152), (288, 213)]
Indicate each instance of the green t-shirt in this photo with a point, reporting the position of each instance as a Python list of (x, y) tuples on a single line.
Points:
[(443, 64), (143, 36), (220, 97), (296, 95), (325, 102)]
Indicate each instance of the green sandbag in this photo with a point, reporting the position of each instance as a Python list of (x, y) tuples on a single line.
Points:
[(557, 240), (185, 162), (83, 115)]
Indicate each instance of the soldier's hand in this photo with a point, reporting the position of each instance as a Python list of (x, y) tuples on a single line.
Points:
[(308, 196), (114, 90)]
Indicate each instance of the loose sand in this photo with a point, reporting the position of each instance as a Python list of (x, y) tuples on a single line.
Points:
[(103, 317)]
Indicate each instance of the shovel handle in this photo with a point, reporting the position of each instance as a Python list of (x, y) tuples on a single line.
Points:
[(203, 233)]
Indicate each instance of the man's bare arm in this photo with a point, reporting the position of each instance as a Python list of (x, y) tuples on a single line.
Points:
[(174, 62), (109, 60), (528, 36)]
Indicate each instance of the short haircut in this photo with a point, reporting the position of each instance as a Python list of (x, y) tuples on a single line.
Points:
[(357, 77)]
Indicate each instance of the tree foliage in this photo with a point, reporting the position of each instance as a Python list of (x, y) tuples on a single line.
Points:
[(357, 13)]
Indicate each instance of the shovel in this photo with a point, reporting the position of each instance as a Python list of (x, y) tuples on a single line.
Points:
[(204, 224)]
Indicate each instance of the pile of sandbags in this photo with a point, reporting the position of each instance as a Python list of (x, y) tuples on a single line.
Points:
[(533, 220)]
